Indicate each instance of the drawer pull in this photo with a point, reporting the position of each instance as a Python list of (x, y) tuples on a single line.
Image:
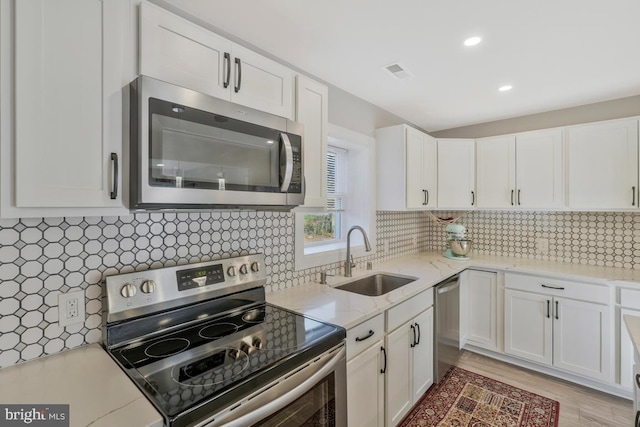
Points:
[(557, 288), (366, 337)]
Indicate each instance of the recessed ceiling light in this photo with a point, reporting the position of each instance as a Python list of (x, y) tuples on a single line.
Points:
[(472, 41), (505, 88)]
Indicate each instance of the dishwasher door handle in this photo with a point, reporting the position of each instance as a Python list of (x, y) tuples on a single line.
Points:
[(445, 289)]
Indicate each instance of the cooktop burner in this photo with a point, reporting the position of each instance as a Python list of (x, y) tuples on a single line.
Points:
[(218, 330), (167, 347), (253, 316)]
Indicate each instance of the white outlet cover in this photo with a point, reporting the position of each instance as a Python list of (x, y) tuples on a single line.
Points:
[(63, 319)]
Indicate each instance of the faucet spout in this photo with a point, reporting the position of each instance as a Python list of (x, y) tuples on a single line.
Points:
[(367, 246)]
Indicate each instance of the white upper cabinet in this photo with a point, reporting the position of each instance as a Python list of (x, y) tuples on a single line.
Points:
[(521, 171), (496, 174), (406, 165), (603, 165), (456, 174), (69, 73), (312, 111), (178, 51), (539, 171)]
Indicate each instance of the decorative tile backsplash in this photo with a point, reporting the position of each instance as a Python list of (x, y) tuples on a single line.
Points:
[(42, 258), (610, 239)]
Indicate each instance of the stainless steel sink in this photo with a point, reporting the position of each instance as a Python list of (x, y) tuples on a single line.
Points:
[(376, 284)]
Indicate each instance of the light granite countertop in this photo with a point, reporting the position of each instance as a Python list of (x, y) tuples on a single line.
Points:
[(86, 378), (348, 309)]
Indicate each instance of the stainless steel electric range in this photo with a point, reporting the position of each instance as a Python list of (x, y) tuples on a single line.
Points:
[(202, 344)]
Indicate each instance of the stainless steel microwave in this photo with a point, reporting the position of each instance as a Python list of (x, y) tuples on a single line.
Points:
[(189, 150)]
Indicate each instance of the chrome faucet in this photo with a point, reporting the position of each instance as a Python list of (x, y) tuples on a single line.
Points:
[(349, 264)]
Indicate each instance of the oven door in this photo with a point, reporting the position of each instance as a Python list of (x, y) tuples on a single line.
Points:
[(315, 395)]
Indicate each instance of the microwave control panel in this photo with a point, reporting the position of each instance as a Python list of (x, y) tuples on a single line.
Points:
[(296, 178)]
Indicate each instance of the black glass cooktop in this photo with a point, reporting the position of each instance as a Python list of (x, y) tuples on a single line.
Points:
[(220, 360)]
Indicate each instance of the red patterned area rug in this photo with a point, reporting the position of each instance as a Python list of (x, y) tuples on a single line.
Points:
[(466, 399)]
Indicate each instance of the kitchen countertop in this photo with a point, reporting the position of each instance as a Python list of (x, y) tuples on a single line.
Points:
[(348, 309), (86, 378)]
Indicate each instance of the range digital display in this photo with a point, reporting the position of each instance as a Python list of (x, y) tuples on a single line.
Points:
[(199, 277)]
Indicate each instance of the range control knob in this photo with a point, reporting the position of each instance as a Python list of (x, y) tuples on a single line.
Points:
[(257, 343), (255, 266), (231, 271), (244, 347), (128, 290), (244, 269), (148, 286)]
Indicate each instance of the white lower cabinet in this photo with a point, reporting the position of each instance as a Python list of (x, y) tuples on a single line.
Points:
[(566, 333), (365, 388), (481, 309), (409, 349)]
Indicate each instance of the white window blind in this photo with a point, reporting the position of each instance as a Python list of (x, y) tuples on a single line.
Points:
[(336, 178)]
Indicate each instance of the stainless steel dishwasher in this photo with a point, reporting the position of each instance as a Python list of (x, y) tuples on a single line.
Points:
[(447, 325)]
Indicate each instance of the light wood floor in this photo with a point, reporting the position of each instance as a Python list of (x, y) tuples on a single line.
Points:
[(579, 406)]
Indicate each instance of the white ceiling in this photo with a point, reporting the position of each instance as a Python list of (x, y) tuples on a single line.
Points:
[(555, 53)]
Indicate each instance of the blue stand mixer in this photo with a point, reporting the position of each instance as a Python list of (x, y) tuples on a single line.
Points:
[(459, 245)]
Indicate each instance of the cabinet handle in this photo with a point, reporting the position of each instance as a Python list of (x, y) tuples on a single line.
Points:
[(427, 202), (473, 198), (114, 160), (239, 81), (518, 197), (557, 288), (557, 314), (366, 337), (424, 193), (637, 422), (633, 190), (227, 60), (512, 191), (418, 329), (384, 353), (413, 331), (638, 379), (548, 309)]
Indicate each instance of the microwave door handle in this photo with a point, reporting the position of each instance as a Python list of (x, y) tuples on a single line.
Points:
[(288, 171)]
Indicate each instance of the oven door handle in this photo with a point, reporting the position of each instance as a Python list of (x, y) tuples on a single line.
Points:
[(288, 162), (269, 407)]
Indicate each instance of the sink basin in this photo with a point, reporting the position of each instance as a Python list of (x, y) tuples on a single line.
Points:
[(376, 284)]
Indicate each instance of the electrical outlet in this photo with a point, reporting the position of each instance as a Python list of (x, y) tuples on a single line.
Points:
[(71, 308), (386, 246), (542, 246)]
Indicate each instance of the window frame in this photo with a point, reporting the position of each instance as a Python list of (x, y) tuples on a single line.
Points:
[(361, 199)]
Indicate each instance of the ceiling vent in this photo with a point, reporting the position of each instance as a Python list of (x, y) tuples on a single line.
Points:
[(398, 71)]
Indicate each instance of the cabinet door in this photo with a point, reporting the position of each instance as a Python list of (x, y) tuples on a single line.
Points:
[(68, 103), (581, 338), (422, 355), (539, 169), (528, 326), (496, 162), (430, 170), (626, 351), (414, 151), (456, 173), (261, 83), (481, 291), (311, 111), (178, 51), (397, 383), (603, 165), (365, 388)]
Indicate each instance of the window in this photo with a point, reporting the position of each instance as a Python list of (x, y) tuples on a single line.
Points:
[(320, 235), (327, 227)]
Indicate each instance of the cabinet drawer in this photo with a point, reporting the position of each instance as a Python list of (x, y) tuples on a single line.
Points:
[(630, 298), (359, 338), (409, 309), (600, 294)]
